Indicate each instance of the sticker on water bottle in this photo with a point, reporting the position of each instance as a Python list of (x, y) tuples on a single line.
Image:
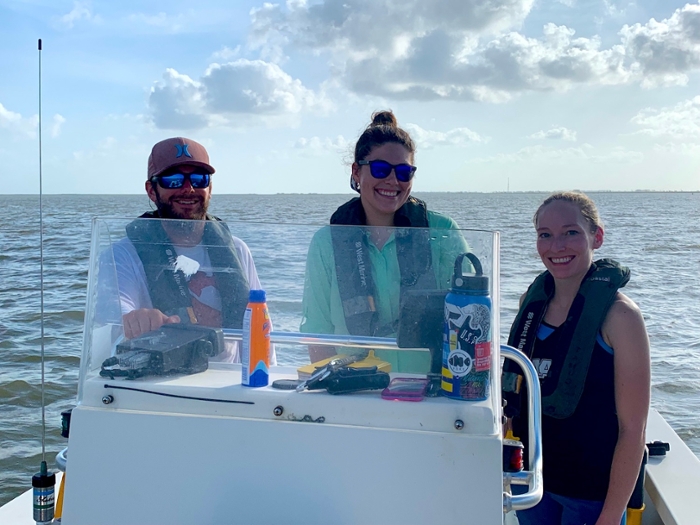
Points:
[(459, 363), (482, 356), (474, 324)]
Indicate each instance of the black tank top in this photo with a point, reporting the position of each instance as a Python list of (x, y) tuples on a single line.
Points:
[(578, 450)]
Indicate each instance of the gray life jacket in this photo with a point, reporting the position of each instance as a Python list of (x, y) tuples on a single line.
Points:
[(168, 287)]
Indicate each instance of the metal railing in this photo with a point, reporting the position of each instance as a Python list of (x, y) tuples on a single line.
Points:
[(356, 341), (532, 477)]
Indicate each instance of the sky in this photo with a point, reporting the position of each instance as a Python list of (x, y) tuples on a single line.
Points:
[(519, 95)]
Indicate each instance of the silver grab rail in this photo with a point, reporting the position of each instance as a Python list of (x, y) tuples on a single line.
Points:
[(357, 341), (62, 459), (533, 477)]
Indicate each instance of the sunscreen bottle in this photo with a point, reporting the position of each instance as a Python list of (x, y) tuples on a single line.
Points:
[(255, 347)]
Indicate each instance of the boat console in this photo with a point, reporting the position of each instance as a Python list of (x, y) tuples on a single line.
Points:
[(182, 441)]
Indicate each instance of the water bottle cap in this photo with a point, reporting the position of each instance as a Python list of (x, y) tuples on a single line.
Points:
[(469, 283), (256, 296)]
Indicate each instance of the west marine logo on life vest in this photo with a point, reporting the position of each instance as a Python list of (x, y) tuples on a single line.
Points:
[(360, 264), (182, 150), (526, 327)]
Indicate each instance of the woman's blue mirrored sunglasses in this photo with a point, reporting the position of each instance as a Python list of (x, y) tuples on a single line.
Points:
[(381, 169), (173, 181)]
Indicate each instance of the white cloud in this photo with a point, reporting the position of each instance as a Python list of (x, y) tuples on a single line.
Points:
[(351, 25), (227, 94), (162, 22), (226, 53), (413, 55), (27, 126), (662, 53), (674, 148), (618, 155), (321, 146), (159, 20), (459, 137), (679, 121), (468, 49), (538, 152), (555, 133), (246, 86), (8, 117), (132, 118), (586, 152), (567, 3), (493, 72), (425, 139), (103, 149), (80, 11), (613, 10), (107, 143), (58, 121), (178, 102)]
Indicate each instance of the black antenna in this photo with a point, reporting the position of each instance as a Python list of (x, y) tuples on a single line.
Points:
[(41, 278), (43, 482)]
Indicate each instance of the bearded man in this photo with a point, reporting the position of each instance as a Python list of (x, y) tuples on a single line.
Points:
[(185, 266)]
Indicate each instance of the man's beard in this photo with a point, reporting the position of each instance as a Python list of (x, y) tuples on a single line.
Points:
[(166, 209)]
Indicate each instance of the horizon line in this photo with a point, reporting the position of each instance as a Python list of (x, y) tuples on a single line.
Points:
[(348, 193)]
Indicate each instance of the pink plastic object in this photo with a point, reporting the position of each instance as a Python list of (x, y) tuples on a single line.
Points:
[(406, 389)]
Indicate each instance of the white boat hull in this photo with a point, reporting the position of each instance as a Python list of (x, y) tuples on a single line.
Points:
[(245, 465)]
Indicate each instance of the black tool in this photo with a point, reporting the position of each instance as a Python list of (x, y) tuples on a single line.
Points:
[(315, 382), (346, 380)]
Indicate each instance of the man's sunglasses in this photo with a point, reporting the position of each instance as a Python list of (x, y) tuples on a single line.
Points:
[(173, 181), (381, 169)]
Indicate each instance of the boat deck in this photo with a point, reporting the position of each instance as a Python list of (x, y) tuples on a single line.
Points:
[(673, 480)]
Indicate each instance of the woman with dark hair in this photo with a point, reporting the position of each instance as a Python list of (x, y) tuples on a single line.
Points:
[(340, 295), (589, 345)]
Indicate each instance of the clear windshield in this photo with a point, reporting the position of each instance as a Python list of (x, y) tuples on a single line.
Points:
[(330, 290)]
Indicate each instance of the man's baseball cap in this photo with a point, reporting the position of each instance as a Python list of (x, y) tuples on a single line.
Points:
[(175, 152)]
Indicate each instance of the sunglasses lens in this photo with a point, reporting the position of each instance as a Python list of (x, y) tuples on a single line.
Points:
[(379, 169), (404, 172), (199, 180), (174, 181)]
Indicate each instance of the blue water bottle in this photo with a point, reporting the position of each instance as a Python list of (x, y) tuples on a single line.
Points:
[(466, 354)]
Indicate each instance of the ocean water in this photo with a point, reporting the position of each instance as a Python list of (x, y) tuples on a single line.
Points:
[(656, 234)]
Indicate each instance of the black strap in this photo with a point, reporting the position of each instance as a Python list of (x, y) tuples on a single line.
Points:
[(524, 328)]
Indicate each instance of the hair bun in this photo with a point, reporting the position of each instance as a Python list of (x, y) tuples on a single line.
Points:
[(384, 118)]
